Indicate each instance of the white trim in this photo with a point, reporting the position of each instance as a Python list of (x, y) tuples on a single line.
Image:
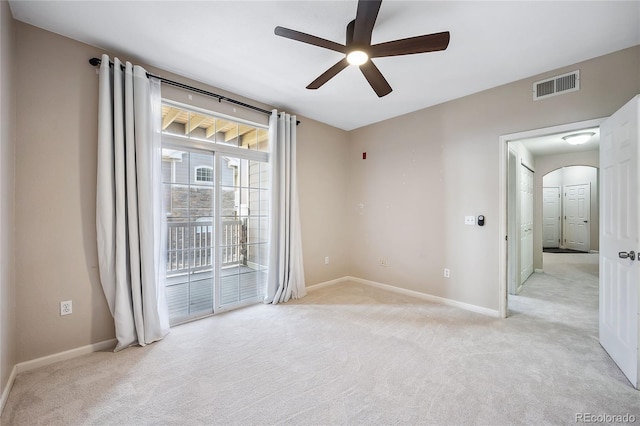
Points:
[(411, 293), (539, 271), (7, 388), (326, 284), (545, 131), (178, 142), (428, 297), (502, 194), (503, 231), (62, 356)]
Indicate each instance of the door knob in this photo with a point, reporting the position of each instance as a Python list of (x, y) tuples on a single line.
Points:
[(624, 255)]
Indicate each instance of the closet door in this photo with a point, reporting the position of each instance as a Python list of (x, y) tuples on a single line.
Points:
[(526, 223)]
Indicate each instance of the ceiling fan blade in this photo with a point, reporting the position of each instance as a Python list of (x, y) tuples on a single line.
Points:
[(328, 74), (411, 45), (375, 79), (365, 20), (310, 39)]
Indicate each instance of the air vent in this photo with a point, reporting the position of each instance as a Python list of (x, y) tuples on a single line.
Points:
[(565, 83)]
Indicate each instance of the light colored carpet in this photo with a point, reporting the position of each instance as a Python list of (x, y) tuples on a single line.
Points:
[(351, 354)]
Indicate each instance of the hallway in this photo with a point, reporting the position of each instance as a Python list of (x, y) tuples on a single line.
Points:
[(566, 293)]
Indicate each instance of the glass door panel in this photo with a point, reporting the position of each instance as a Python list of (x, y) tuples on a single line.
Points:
[(189, 194), (243, 241)]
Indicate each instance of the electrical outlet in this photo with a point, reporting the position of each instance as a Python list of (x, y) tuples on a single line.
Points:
[(326, 260), (384, 262), (447, 274), (66, 307)]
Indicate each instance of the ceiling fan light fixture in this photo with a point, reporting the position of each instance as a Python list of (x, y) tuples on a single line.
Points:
[(578, 138), (357, 57), (358, 48)]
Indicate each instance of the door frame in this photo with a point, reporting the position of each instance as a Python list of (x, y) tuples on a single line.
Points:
[(503, 150)]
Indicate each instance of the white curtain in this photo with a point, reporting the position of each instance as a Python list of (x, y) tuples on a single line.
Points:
[(285, 277), (129, 217)]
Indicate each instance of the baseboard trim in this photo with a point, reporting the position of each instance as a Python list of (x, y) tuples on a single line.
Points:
[(428, 297), (412, 293), (326, 284), (62, 356), (7, 388)]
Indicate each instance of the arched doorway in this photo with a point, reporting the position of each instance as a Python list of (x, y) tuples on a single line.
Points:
[(570, 210)]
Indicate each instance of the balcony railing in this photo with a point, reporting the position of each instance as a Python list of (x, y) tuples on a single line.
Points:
[(190, 245)]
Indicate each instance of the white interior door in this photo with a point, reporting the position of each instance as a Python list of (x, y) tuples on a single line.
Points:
[(526, 223), (551, 217), (619, 275), (577, 212)]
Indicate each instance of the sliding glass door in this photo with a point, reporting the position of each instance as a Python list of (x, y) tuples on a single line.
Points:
[(216, 205)]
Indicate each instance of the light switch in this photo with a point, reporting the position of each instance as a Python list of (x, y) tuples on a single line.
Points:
[(469, 220)]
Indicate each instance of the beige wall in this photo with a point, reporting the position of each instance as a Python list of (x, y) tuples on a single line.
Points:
[(7, 159), (322, 179), (55, 196), (55, 201), (426, 170)]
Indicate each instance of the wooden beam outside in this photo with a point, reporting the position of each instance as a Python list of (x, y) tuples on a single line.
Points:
[(254, 137), (170, 117), (194, 121), (242, 130), (211, 130), (225, 125)]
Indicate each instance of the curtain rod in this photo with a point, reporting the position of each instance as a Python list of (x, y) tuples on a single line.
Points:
[(97, 61)]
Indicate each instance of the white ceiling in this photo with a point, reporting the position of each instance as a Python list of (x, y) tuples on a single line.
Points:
[(231, 45)]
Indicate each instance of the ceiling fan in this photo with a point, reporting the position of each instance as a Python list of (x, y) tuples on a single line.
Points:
[(358, 49)]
